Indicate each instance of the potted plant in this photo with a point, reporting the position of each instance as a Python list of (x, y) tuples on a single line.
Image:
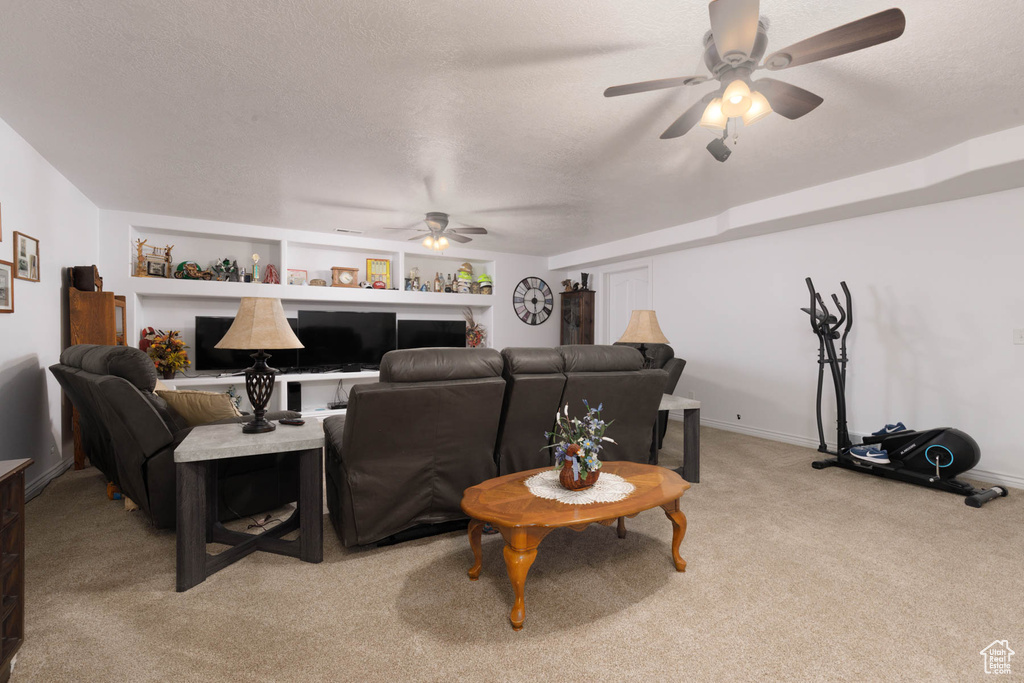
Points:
[(475, 332), (577, 446), (167, 350)]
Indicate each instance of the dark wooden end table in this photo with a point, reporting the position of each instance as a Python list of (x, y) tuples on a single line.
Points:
[(196, 459), (524, 519)]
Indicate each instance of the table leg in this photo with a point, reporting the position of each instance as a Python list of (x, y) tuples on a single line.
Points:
[(652, 458), (678, 520), (622, 527), (191, 524), (520, 552), (476, 528), (691, 445), (311, 505)]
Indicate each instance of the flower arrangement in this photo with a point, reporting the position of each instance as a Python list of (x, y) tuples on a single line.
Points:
[(167, 350), (578, 442), (475, 332)]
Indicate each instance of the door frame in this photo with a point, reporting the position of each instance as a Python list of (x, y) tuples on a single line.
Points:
[(602, 300)]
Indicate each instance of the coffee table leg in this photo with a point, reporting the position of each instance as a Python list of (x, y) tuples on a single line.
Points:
[(311, 505), (622, 527), (191, 523), (518, 564), (678, 520), (476, 528)]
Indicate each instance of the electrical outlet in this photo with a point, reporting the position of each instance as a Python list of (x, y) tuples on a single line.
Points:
[(738, 416), (1018, 336)]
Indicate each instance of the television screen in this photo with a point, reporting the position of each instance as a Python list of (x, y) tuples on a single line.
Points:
[(334, 338), (206, 358), (419, 334)]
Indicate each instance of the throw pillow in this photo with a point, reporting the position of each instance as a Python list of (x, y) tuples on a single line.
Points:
[(200, 407)]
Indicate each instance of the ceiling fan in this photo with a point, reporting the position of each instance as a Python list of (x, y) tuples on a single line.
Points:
[(733, 49), (439, 232)]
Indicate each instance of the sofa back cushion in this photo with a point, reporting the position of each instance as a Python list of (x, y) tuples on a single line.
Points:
[(534, 381), (435, 365), (589, 358), (120, 361)]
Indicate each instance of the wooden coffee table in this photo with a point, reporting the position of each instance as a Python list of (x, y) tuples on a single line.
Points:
[(524, 519)]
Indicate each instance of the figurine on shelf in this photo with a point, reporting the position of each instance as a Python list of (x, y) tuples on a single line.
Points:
[(152, 261), (584, 277), (226, 270), (567, 284), (255, 268), (270, 275), (190, 270)]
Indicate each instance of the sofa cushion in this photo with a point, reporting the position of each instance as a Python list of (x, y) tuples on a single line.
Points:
[(200, 407), (432, 365), (532, 361), (587, 358), (121, 361)]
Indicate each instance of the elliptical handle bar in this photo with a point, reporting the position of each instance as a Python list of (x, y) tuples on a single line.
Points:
[(849, 308), (842, 313), (813, 307)]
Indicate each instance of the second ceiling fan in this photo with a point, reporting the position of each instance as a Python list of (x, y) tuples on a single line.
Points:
[(733, 49)]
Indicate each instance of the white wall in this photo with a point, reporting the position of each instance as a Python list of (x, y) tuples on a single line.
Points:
[(937, 291), (36, 200)]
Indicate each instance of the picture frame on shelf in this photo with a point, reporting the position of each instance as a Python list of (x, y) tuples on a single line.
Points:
[(378, 270), (6, 287), (26, 257), (297, 276), (157, 269)]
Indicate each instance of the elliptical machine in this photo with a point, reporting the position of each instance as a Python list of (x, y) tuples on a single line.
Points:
[(932, 458)]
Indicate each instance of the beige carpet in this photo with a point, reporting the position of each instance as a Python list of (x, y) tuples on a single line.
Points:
[(793, 574)]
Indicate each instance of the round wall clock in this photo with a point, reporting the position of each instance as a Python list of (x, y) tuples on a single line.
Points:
[(532, 300)]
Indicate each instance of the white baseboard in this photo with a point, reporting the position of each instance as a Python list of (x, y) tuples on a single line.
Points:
[(34, 488), (979, 474)]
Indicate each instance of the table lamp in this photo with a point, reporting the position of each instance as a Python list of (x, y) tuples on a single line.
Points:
[(643, 329), (259, 324)]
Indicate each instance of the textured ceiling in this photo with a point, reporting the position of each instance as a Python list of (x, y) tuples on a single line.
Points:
[(311, 114)]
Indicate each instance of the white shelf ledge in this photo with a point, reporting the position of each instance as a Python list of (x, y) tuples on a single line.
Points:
[(169, 288)]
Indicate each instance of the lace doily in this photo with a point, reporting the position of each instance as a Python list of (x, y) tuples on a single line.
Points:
[(608, 489)]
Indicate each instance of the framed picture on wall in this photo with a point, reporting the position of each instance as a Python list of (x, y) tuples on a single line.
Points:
[(6, 287), (26, 257)]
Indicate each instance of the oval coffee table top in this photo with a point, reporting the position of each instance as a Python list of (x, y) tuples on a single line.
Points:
[(506, 500)]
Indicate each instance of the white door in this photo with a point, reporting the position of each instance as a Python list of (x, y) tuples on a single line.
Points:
[(627, 291)]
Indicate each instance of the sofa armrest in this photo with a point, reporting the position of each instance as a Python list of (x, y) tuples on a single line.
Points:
[(674, 368)]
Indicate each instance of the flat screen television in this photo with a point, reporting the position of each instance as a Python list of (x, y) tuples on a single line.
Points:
[(206, 358), (335, 338), (420, 334)]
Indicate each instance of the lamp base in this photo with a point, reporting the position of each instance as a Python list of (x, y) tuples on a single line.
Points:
[(259, 385), (258, 427)]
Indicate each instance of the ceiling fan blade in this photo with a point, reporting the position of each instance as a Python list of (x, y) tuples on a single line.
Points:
[(857, 35), (785, 99), (734, 26), (456, 237), (647, 86), (689, 119), (418, 225), (469, 230), (414, 238)]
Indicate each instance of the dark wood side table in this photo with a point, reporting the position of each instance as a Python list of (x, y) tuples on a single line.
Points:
[(12, 560), (195, 459)]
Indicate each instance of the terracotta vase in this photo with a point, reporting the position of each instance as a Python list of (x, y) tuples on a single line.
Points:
[(568, 481)]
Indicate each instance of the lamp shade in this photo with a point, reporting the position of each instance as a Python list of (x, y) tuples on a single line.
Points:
[(260, 324), (736, 99), (713, 117), (759, 108), (643, 328)]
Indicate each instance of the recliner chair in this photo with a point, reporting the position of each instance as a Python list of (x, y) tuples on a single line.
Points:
[(534, 381), (410, 445), (614, 376), (132, 433), (662, 356)]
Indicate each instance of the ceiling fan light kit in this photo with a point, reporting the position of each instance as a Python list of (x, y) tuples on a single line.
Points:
[(733, 50), (439, 234)]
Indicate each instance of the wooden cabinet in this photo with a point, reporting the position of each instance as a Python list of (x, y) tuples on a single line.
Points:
[(94, 317), (577, 317), (12, 560)]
